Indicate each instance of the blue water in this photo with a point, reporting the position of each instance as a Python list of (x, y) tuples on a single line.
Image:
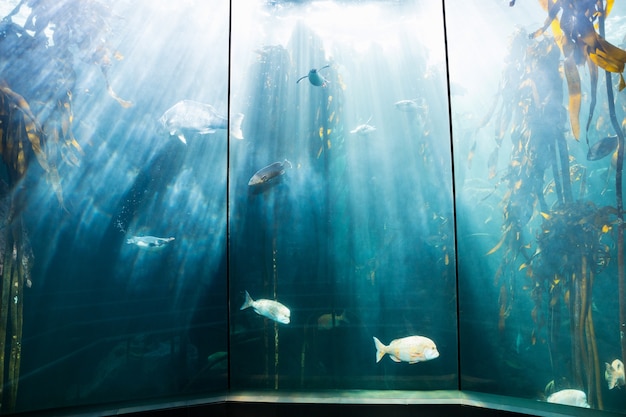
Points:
[(387, 235)]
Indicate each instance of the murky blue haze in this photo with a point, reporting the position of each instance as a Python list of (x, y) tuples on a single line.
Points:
[(105, 320), (396, 232), (360, 225)]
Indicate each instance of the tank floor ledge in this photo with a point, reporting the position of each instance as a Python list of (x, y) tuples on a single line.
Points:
[(478, 400), (365, 403)]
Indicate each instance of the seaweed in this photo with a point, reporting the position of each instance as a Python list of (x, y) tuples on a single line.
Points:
[(36, 124), (573, 247), (619, 166), (581, 45), (560, 242)]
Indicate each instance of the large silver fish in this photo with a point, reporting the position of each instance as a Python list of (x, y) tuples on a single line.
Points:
[(268, 173), (412, 349), (569, 397), (410, 106), (363, 130), (149, 242), (614, 374), (189, 117), (268, 308)]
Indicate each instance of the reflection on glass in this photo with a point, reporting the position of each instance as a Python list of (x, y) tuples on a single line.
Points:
[(340, 198), (539, 200)]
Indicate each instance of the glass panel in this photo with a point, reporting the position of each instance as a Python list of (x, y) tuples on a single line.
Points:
[(340, 197), (116, 254), (539, 241)]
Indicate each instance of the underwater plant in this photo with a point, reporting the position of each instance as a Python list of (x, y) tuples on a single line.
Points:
[(573, 238), (560, 241), (580, 44), (573, 247), (36, 122)]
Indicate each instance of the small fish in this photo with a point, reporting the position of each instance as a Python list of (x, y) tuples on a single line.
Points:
[(149, 242), (410, 106), (363, 130), (614, 374), (602, 148), (325, 321), (315, 77), (268, 308), (412, 349), (268, 173), (569, 397), (188, 116)]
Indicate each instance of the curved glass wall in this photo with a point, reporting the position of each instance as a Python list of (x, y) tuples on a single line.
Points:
[(296, 197)]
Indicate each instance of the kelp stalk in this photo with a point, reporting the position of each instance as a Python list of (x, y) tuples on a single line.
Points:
[(11, 318), (621, 278), (4, 314), (595, 379), (16, 276), (275, 276)]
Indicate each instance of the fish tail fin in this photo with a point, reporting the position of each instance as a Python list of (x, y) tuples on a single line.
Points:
[(181, 137), (288, 163), (344, 318), (380, 349), (235, 126), (247, 303)]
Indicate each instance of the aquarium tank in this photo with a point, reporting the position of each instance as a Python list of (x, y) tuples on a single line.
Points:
[(247, 203)]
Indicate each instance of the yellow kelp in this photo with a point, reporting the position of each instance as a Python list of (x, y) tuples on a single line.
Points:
[(21, 134), (579, 42)]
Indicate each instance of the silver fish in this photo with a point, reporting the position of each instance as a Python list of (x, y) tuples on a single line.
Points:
[(315, 77), (412, 349), (268, 173), (363, 130), (602, 148), (614, 374), (268, 308), (149, 242), (569, 397), (188, 116), (410, 106)]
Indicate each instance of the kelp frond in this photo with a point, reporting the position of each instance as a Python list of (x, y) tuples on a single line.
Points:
[(579, 42), (22, 136)]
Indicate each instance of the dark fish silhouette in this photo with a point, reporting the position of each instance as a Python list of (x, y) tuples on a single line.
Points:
[(602, 148), (268, 173)]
